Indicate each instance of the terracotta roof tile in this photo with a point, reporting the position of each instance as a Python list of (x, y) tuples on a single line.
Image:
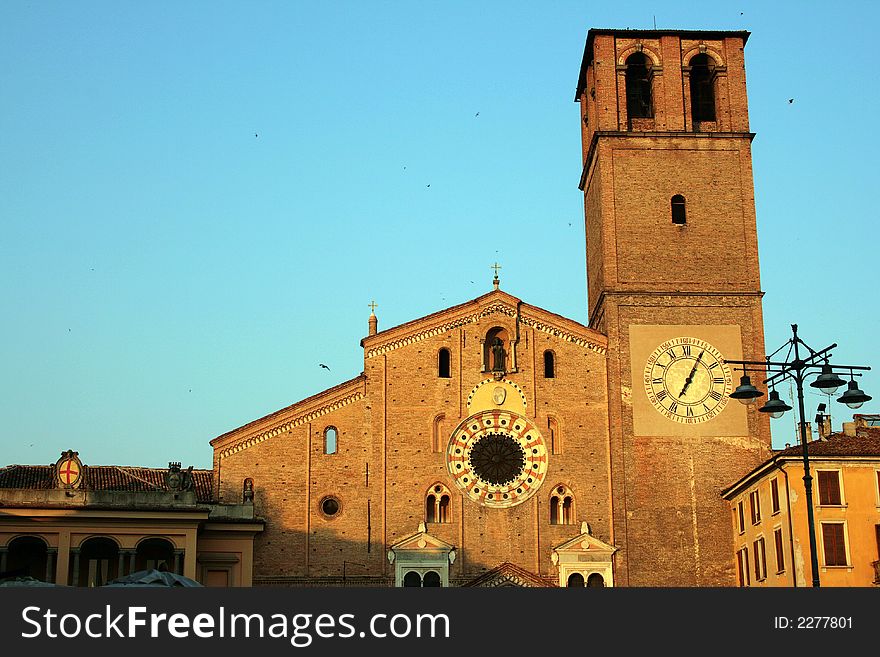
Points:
[(105, 477), (866, 442)]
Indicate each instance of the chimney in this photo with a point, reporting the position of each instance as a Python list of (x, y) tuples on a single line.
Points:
[(849, 428), (809, 428)]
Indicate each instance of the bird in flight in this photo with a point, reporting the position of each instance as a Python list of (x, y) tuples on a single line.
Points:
[(324, 366), (428, 185), (256, 135), (790, 101), (476, 115)]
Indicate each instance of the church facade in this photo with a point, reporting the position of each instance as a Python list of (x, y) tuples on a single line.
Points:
[(497, 443), (504, 439)]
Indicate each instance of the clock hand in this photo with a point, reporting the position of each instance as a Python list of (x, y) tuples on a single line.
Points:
[(690, 377)]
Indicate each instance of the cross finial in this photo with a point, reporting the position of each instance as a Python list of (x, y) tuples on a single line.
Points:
[(496, 281), (373, 305)]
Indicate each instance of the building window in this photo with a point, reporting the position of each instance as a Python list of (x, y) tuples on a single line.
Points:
[(330, 440), (774, 495), (679, 213), (760, 559), (549, 365), (780, 553), (742, 516), (702, 88), (755, 506), (415, 579), (639, 104), (496, 350), (330, 506), (829, 487), (443, 368), (595, 581), (834, 542), (562, 506), (742, 566), (555, 436), (575, 580), (437, 509)]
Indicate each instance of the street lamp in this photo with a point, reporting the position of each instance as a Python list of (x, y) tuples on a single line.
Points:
[(799, 369)]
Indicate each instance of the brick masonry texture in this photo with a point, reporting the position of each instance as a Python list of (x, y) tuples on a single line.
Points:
[(655, 497)]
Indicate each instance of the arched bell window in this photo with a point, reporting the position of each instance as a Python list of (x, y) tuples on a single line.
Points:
[(702, 86), (639, 101), (575, 580)]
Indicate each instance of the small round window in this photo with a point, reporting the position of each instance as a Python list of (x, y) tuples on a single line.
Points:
[(330, 506)]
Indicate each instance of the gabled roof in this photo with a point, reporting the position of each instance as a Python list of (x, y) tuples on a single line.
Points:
[(508, 574), (121, 478), (291, 416), (422, 541), (864, 445), (585, 541), (496, 301)]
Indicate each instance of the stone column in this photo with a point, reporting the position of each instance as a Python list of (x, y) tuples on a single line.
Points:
[(50, 564), (120, 564), (178, 559), (75, 572), (132, 556)]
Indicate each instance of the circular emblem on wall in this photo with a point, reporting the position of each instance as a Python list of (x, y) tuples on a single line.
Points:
[(687, 380), (497, 458), (68, 470), (498, 395)]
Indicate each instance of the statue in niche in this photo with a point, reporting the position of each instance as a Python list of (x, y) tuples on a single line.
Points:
[(498, 355), (248, 491)]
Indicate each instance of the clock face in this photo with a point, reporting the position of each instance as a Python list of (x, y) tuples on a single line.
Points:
[(687, 380), (497, 458)]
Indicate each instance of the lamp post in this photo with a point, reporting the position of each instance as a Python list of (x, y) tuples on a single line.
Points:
[(799, 369)]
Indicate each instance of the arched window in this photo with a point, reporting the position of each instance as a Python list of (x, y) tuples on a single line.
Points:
[(431, 579), (679, 212), (437, 504), (702, 88), (562, 506), (412, 578), (596, 581), (443, 369), (555, 436), (330, 440), (639, 104), (575, 580), (549, 365)]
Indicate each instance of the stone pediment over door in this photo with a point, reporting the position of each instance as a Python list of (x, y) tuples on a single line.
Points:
[(508, 574), (422, 558), (584, 560)]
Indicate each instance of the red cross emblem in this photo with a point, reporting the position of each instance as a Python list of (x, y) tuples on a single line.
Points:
[(68, 471)]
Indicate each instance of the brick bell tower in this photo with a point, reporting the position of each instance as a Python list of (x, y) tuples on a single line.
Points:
[(673, 281)]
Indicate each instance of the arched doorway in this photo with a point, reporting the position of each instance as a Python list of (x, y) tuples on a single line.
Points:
[(155, 553), (96, 563), (575, 580), (412, 578), (596, 581), (28, 556)]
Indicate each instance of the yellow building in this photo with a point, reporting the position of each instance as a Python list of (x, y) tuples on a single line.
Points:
[(769, 514)]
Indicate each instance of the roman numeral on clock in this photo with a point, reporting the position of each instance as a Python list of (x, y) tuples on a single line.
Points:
[(690, 411), (656, 382), (686, 348), (718, 379), (661, 395), (715, 395), (673, 407)]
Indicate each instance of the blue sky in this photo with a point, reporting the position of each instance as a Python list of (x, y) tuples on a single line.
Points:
[(198, 200)]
